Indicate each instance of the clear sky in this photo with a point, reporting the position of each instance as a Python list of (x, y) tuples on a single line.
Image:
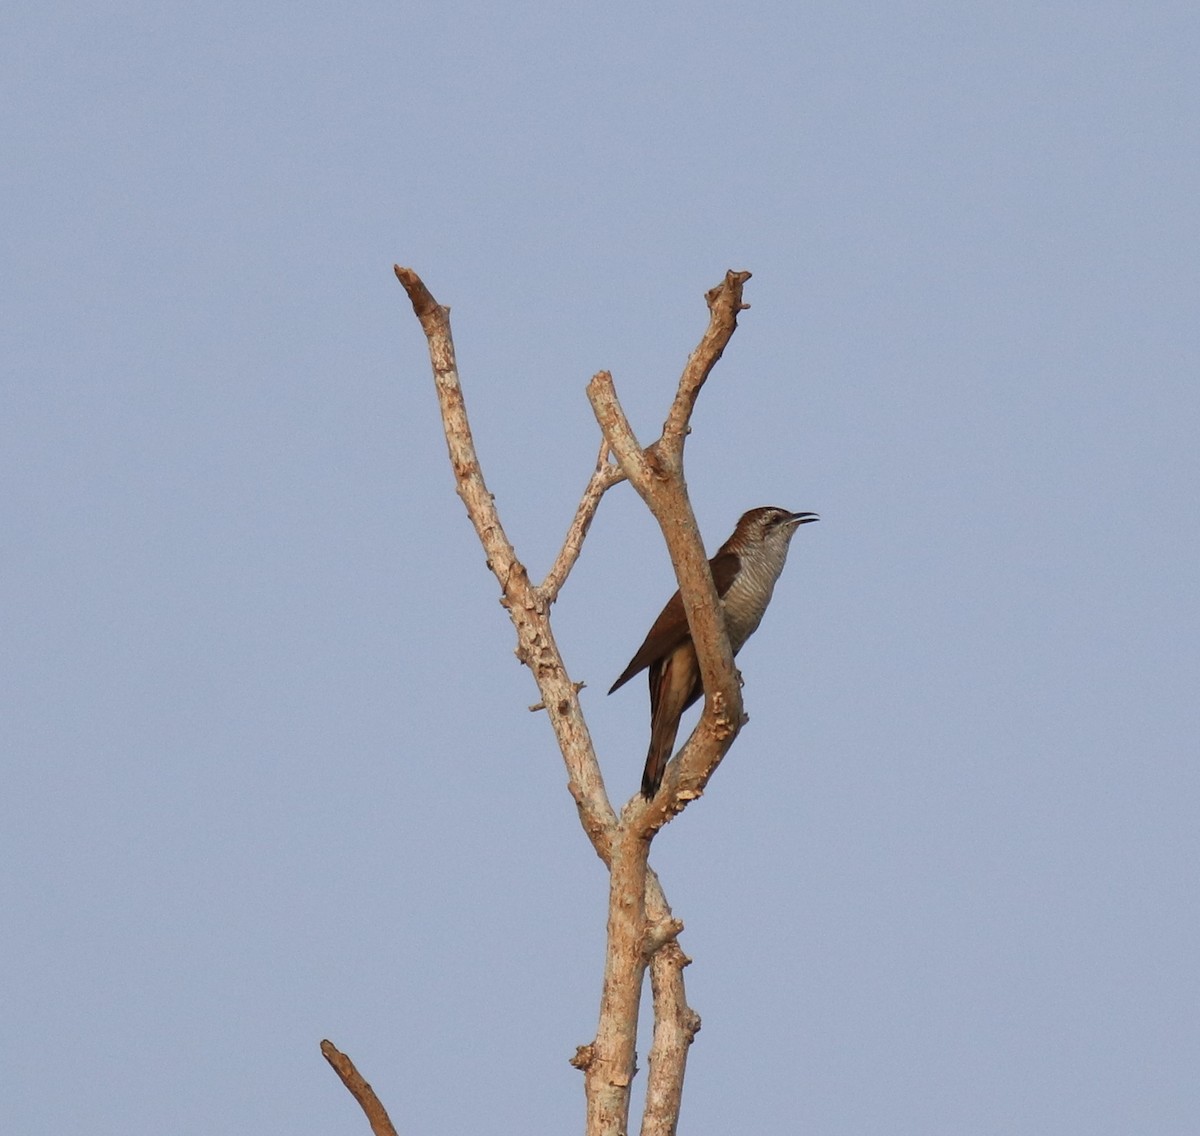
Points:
[(270, 775)]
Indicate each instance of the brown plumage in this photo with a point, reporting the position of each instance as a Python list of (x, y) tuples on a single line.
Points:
[(744, 571)]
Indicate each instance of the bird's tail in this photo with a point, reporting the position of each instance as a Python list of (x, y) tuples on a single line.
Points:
[(662, 742)]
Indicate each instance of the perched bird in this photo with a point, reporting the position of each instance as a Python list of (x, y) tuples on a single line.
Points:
[(744, 570)]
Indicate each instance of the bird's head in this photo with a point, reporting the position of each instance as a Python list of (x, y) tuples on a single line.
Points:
[(770, 525)]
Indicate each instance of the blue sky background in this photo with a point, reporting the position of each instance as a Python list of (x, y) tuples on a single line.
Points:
[(270, 772)]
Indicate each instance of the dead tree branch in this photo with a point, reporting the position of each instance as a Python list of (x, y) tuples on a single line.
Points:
[(605, 477), (377, 1116), (526, 605), (656, 473), (642, 932), (675, 1026)]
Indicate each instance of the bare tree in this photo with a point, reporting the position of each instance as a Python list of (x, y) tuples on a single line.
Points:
[(642, 932)]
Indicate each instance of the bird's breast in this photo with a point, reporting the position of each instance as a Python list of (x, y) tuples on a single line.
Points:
[(745, 602)]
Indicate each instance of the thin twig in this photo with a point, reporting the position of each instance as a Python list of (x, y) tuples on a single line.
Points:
[(724, 303), (605, 476), (377, 1115)]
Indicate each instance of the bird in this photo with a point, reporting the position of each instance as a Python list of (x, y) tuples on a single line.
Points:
[(744, 570)]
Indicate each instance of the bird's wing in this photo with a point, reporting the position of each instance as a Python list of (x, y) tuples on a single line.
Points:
[(724, 567), (671, 628)]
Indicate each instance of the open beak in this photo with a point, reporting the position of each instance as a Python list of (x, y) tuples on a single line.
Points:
[(803, 518)]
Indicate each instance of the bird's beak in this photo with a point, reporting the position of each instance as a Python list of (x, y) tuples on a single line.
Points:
[(802, 518)]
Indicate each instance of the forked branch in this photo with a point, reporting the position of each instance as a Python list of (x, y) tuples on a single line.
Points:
[(641, 929), (527, 606), (656, 473)]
